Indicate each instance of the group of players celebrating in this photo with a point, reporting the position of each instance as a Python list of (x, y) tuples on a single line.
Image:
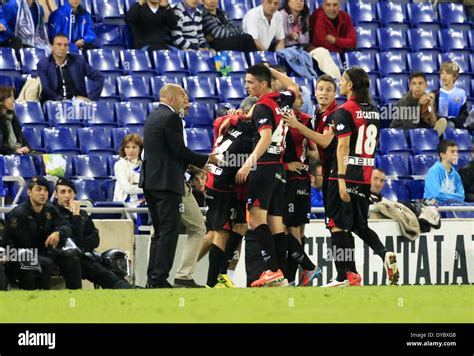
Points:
[(277, 140)]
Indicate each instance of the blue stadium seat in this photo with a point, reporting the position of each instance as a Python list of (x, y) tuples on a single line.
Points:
[(64, 113), (461, 137), (421, 163), (104, 60), (129, 114), (201, 63), (30, 57), (111, 163), (361, 59), (423, 140), (108, 11), (98, 113), (117, 136), (6, 81), (198, 140), (109, 36), (30, 114), (157, 82), (201, 89), (136, 62), (94, 140), (421, 39), (471, 38), (91, 166), (422, 62), (59, 140), (416, 188), (391, 12), (390, 89), (391, 39), (393, 165), (395, 190), (133, 87), (393, 140), (128, 4), (463, 159), (450, 40), (169, 62), (237, 61), (109, 91), (420, 13), (200, 115), (366, 38), (19, 166), (231, 89), (450, 13), (88, 189), (361, 12), (33, 136), (462, 59), (304, 82), (237, 11), (262, 56), (464, 82), (9, 65), (391, 63)]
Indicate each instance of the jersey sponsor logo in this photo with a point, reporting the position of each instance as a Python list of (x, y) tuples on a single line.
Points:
[(302, 192), (360, 161), (274, 150)]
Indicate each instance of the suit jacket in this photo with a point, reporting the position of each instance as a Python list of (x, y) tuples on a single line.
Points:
[(166, 155), (79, 70)]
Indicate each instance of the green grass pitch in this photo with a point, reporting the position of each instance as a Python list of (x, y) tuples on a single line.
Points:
[(390, 304)]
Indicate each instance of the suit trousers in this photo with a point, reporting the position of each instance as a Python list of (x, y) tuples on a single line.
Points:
[(193, 221), (164, 207)]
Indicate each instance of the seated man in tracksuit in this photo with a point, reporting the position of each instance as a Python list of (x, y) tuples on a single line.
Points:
[(86, 236)]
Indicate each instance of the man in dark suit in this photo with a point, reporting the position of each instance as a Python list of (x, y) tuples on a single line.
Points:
[(62, 75), (166, 159)]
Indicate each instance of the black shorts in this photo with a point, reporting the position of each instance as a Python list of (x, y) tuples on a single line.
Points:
[(297, 202), (240, 204), (266, 187), (220, 210), (347, 216)]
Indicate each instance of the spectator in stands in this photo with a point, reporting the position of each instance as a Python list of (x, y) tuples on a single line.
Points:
[(467, 177), (450, 101), (127, 171), (151, 22), (332, 28), (26, 19), (188, 32), (75, 21), (316, 175), (443, 185), (221, 33), (416, 107), (12, 139), (377, 183), (295, 17), (63, 75), (7, 37), (265, 25)]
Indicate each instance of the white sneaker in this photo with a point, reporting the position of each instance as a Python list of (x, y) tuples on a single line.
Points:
[(336, 283), (391, 267)]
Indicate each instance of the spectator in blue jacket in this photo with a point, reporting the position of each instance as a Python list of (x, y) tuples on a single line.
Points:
[(62, 75), (74, 21), (443, 185), (316, 172), (25, 18), (7, 36)]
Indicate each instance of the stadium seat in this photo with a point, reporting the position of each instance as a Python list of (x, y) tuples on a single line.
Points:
[(59, 140), (422, 62), (109, 36), (419, 164), (6, 81), (98, 113), (237, 61), (231, 89), (237, 11), (391, 64), (201, 63), (9, 65), (391, 12), (129, 114), (108, 11), (451, 40), (19, 166), (361, 59), (104, 60), (451, 14), (132, 86), (111, 163), (389, 38), (462, 59), (94, 140), (423, 140), (136, 62), (198, 140), (262, 56), (91, 166), (395, 190), (117, 136), (30, 114), (157, 82), (366, 38), (201, 89), (30, 57), (361, 12), (393, 165), (65, 113), (88, 189), (169, 62), (33, 136), (463, 159), (421, 39), (421, 13), (200, 115), (393, 140), (390, 89), (109, 91), (416, 188), (461, 137)]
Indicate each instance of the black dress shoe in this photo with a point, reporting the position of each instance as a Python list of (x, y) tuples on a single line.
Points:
[(186, 283), (164, 284)]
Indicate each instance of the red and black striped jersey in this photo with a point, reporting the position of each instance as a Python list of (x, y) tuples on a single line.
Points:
[(323, 121), (297, 146)]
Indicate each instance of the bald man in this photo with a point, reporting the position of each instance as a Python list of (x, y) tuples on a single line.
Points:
[(165, 162)]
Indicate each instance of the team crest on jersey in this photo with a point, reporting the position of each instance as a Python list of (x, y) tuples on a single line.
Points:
[(457, 99), (340, 127)]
